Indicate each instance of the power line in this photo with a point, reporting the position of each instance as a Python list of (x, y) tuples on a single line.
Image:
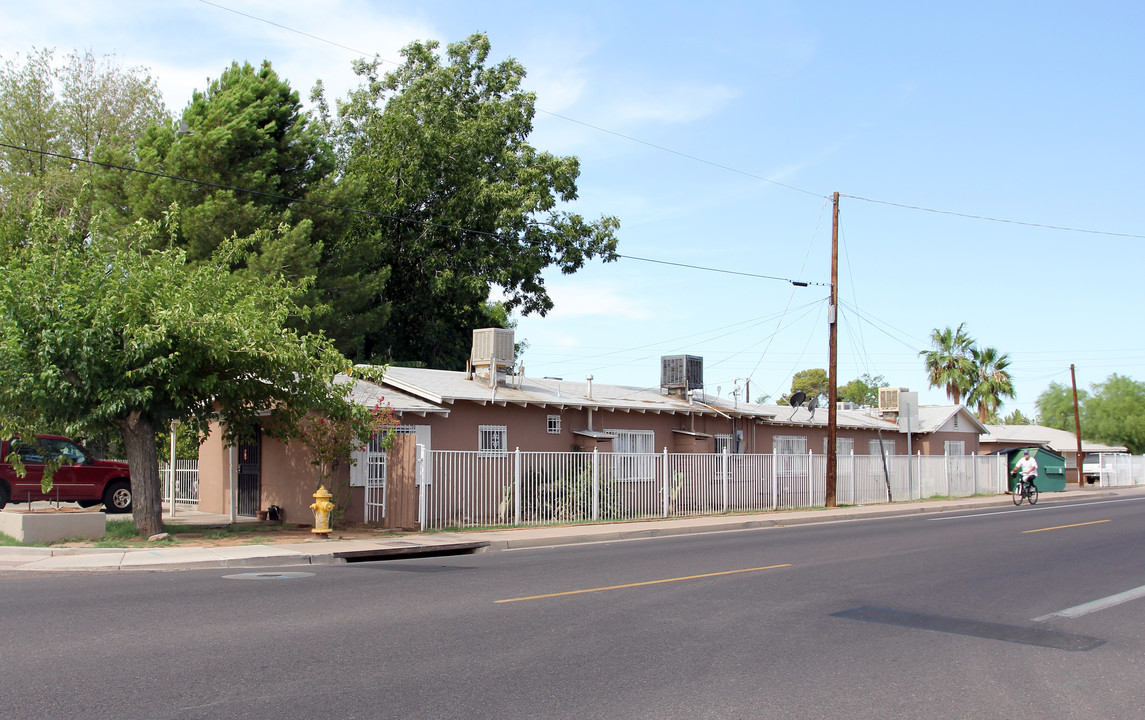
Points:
[(710, 163), (797, 283), (993, 219), (368, 213)]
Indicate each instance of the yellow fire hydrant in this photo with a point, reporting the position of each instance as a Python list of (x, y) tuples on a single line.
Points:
[(322, 508)]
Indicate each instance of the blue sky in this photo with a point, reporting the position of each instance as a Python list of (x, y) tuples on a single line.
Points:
[(717, 135)]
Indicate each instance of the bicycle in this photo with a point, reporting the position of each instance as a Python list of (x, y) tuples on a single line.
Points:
[(1025, 490)]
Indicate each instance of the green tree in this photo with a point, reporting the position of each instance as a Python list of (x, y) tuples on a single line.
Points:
[(1017, 417), (1055, 406), (991, 381), (812, 383), (438, 151), (252, 151), (99, 333), (863, 390), (1114, 413), (948, 363), (54, 116)]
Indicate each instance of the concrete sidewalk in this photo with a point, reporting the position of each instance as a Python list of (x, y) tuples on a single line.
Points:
[(318, 551)]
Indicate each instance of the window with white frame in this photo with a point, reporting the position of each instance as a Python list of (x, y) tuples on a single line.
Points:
[(492, 439), (554, 425), (877, 447), (790, 445), (791, 451), (724, 442), (843, 446), (634, 452), (955, 447)]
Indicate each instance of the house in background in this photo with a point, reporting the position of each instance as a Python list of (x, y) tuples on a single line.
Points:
[(1007, 437), (488, 409)]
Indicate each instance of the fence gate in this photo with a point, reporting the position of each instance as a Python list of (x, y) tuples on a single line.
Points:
[(249, 480)]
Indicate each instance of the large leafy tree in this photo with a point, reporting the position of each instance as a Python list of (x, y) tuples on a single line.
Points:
[(98, 332), (991, 381), (863, 390), (1115, 412), (1055, 406), (460, 203), (812, 383), (948, 362), (251, 151), (54, 117)]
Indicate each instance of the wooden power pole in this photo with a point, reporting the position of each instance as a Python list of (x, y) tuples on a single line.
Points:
[(833, 358), (1077, 427)]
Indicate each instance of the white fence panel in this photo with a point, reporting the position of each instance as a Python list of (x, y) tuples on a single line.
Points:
[(186, 481), (537, 488)]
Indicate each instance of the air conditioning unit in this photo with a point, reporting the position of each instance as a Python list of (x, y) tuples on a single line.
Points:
[(492, 344), (681, 372), (889, 399)]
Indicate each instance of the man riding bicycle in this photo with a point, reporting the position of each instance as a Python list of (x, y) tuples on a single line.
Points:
[(1027, 467)]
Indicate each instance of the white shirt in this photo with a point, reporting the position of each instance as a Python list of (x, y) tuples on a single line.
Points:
[(1028, 466)]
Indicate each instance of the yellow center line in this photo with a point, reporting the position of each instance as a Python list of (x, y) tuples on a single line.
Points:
[(1063, 527), (649, 582)]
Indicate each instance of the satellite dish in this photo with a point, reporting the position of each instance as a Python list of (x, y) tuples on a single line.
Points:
[(812, 404), (795, 401)]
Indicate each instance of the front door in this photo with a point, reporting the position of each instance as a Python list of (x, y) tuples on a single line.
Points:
[(249, 483)]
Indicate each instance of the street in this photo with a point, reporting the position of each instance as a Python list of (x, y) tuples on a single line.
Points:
[(1000, 612)]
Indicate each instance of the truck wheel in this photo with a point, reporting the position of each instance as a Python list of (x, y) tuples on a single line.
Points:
[(117, 497), (4, 495)]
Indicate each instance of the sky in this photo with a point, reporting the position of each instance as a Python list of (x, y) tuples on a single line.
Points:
[(987, 156)]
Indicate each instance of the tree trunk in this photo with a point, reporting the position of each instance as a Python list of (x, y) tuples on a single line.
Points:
[(146, 486)]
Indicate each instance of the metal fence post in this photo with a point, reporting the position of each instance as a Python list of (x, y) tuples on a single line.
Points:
[(725, 478), (517, 486), (596, 483), (774, 483), (665, 487)]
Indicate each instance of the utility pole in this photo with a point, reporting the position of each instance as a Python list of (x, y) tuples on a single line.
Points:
[(1077, 427), (833, 359)]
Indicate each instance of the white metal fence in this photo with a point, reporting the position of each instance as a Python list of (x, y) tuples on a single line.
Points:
[(467, 488), (186, 483), (1121, 469)]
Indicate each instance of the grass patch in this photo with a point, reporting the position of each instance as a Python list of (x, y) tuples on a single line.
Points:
[(8, 541)]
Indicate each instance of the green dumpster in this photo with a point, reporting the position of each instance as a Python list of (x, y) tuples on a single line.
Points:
[(1051, 468)]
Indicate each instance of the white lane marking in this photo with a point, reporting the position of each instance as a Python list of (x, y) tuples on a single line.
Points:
[(1040, 507), (1095, 605)]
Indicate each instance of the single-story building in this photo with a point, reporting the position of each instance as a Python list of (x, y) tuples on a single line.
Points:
[(492, 409)]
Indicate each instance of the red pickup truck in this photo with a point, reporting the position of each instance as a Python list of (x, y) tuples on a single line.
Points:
[(81, 479)]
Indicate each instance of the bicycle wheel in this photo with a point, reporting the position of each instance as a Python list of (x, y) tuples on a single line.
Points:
[(1032, 493), (1019, 492)]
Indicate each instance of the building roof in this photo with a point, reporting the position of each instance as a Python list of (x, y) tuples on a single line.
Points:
[(445, 387), (370, 395), (1059, 441), (426, 390)]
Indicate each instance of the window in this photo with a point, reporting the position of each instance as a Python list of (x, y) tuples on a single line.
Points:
[(554, 424), (791, 451), (888, 447), (492, 439), (955, 447), (790, 444), (634, 452), (843, 446), (633, 441), (724, 442)]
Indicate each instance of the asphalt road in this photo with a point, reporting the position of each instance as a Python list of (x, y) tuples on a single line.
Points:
[(1006, 613)]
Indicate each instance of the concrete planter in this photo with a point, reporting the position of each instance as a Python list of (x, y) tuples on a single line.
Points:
[(50, 526)]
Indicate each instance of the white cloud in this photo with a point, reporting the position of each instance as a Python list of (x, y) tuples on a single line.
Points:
[(594, 299)]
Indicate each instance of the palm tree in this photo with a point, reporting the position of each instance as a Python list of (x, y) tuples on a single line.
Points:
[(948, 365), (992, 381)]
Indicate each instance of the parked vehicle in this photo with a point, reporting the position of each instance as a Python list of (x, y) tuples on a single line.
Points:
[(81, 479), (1091, 468)]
